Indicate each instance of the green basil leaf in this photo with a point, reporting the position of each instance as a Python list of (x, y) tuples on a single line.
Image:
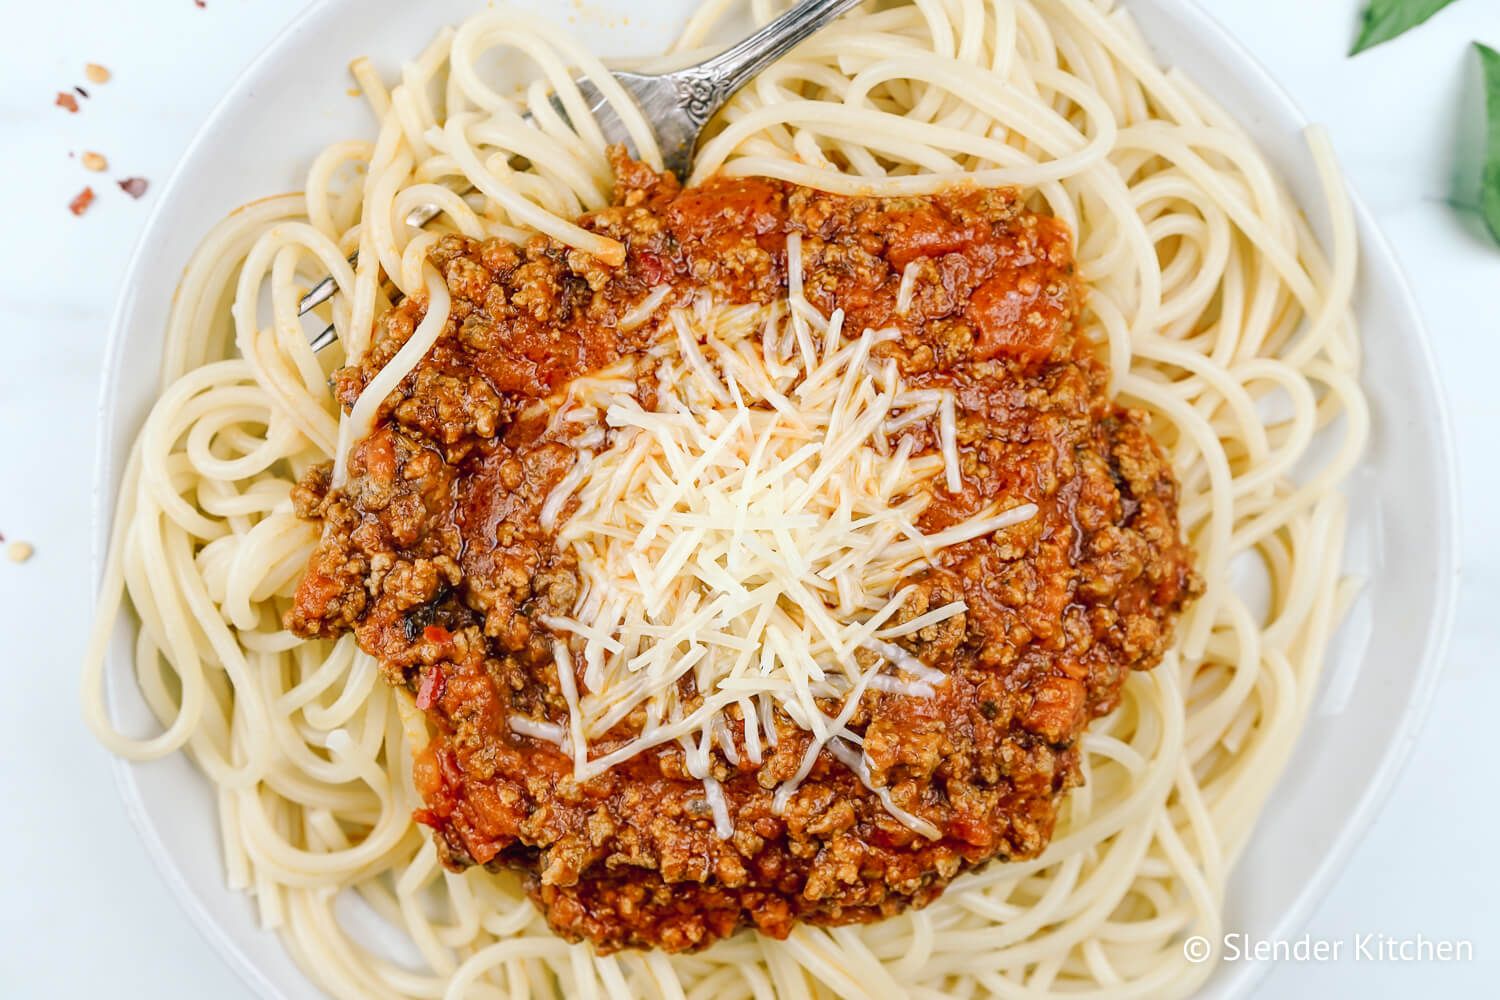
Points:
[(1385, 19), (1490, 196)]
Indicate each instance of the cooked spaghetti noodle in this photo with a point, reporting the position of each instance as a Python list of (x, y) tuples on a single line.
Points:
[(1219, 313)]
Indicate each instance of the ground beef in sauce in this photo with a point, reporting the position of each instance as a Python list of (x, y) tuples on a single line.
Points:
[(433, 556)]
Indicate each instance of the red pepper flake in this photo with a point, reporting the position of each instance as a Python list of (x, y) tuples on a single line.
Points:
[(436, 633), (67, 100), (200, 4), (134, 186), (81, 203), (431, 688)]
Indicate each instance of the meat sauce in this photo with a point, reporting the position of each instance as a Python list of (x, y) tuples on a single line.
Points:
[(433, 556)]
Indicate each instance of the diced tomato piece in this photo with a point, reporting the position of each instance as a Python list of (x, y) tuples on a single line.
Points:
[(431, 688)]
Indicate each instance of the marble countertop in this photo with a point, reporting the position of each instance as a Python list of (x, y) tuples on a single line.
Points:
[(83, 913)]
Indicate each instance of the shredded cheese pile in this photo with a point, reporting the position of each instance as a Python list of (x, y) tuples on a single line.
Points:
[(750, 531)]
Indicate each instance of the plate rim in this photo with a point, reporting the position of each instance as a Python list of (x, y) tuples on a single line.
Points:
[(1372, 241)]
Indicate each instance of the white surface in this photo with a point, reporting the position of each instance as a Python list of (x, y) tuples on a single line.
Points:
[(72, 873)]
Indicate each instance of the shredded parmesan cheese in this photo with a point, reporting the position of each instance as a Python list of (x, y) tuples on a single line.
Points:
[(749, 534), (908, 286), (645, 308), (538, 729)]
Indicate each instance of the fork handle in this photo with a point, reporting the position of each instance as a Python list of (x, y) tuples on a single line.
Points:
[(714, 81)]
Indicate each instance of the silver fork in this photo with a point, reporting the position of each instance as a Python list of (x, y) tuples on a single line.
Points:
[(678, 105)]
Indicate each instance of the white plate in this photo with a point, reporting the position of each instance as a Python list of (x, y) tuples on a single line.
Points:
[(292, 101)]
